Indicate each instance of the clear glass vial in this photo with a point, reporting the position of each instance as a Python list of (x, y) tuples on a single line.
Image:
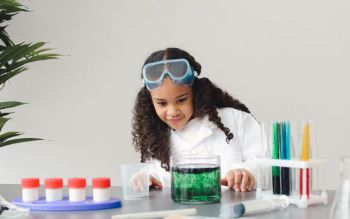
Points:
[(341, 205)]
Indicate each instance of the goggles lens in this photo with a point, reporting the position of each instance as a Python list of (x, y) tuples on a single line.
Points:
[(153, 73), (179, 70)]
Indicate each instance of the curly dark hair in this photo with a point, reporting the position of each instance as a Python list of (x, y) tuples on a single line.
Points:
[(151, 134)]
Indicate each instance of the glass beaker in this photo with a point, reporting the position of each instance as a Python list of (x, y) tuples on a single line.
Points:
[(135, 181), (195, 179), (341, 204)]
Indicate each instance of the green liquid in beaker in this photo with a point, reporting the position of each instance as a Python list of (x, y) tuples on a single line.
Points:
[(195, 183)]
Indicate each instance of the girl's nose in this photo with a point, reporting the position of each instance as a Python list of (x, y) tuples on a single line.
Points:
[(173, 110)]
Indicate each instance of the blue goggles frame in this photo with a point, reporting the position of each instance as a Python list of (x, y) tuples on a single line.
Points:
[(153, 73)]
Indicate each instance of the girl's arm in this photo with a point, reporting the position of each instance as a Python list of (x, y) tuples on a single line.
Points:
[(242, 175)]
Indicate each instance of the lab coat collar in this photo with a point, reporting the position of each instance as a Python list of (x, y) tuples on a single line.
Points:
[(194, 132)]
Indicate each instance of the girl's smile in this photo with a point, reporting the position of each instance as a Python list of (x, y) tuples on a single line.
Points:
[(176, 120)]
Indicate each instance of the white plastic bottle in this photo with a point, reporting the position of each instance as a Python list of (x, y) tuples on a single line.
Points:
[(77, 189), (53, 189), (30, 189), (101, 189)]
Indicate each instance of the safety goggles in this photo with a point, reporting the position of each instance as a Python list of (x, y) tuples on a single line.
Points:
[(179, 71)]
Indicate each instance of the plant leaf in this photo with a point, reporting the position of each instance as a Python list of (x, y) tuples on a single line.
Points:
[(5, 114), (3, 121), (10, 104), (9, 53), (18, 140), (22, 51), (27, 50), (5, 77), (7, 135)]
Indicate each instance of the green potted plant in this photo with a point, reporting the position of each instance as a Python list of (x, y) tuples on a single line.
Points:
[(13, 60)]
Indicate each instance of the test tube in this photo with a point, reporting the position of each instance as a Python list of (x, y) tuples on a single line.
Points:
[(253, 207)]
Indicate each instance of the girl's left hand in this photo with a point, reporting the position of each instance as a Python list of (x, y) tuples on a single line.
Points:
[(239, 179)]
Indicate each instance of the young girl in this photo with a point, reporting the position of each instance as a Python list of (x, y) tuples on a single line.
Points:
[(178, 112)]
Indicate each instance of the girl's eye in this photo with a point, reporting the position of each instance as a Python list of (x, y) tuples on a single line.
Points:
[(161, 103), (181, 100)]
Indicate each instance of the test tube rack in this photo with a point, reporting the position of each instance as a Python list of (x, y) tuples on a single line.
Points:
[(301, 200)]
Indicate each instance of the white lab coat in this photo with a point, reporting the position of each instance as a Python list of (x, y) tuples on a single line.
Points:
[(200, 136)]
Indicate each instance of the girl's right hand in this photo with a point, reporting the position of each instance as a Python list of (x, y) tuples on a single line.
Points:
[(155, 183), (239, 180), (139, 180)]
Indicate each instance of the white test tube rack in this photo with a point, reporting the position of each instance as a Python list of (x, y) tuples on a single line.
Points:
[(300, 200)]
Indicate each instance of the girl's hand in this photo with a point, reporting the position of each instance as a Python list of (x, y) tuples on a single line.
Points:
[(239, 179), (139, 180), (155, 183)]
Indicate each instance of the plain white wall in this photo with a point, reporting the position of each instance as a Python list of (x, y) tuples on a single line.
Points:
[(283, 59)]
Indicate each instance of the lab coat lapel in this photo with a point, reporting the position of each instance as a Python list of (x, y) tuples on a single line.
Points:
[(195, 132), (203, 132)]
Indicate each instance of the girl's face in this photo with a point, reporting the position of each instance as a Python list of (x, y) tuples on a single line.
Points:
[(173, 103)]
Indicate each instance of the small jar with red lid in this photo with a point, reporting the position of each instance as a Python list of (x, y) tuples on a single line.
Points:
[(101, 189), (77, 189), (53, 189), (30, 189)]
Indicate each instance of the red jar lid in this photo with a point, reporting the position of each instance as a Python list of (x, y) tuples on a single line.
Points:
[(76, 183), (30, 183), (103, 182), (53, 183)]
